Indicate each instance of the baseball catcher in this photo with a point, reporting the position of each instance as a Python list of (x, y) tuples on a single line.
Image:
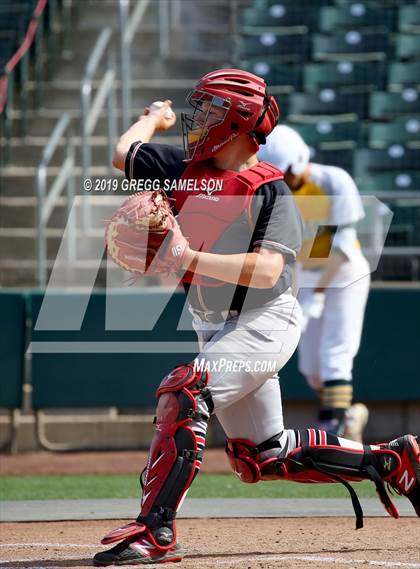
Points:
[(233, 243)]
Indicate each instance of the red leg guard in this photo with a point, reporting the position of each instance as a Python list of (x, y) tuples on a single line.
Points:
[(175, 456), (316, 461)]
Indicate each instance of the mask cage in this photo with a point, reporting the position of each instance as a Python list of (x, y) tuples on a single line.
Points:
[(208, 111)]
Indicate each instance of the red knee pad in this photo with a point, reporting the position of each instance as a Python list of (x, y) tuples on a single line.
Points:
[(241, 454), (244, 459)]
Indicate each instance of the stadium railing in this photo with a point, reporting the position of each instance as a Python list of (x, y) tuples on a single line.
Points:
[(47, 197), (91, 109), (128, 26)]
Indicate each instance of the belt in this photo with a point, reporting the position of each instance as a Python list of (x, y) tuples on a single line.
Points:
[(215, 317)]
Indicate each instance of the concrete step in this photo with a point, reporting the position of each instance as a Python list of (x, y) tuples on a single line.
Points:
[(97, 14), (84, 30), (23, 186), (22, 216), (84, 41), (16, 188), (213, 43), (19, 244), (17, 275), (42, 123), (20, 248), (216, 13), (157, 69), (26, 153), (93, 15), (66, 99), (17, 214), (145, 43), (20, 180), (22, 183), (139, 83)]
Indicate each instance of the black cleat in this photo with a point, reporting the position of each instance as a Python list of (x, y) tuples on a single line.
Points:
[(138, 552)]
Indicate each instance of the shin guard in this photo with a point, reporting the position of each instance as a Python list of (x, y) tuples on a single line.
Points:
[(319, 458), (175, 456)]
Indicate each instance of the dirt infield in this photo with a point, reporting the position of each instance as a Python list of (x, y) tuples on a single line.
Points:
[(231, 544), (121, 462), (289, 543)]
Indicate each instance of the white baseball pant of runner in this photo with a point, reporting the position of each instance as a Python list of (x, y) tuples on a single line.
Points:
[(329, 344)]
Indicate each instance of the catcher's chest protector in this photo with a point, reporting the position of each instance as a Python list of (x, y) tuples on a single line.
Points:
[(218, 199)]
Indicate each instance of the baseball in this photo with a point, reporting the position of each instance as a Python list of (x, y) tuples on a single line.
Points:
[(157, 105)]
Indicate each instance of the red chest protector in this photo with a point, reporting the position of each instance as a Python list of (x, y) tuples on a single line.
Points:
[(214, 200)]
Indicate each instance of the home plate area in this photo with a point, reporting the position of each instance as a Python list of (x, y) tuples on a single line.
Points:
[(290, 543)]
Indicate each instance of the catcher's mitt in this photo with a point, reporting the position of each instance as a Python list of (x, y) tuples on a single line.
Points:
[(144, 237)]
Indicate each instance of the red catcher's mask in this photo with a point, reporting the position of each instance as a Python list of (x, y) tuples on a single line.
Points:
[(226, 103)]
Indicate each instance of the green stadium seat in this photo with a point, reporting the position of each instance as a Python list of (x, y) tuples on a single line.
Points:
[(343, 158), (344, 74), (264, 4), (401, 75), (279, 15), (396, 158), (383, 106), (397, 268), (408, 46), (405, 227), (14, 20), (6, 52), (277, 47), (356, 16), (389, 182), (326, 134), (326, 102), (287, 76), (352, 44), (400, 131), (283, 103), (409, 19), (385, 3)]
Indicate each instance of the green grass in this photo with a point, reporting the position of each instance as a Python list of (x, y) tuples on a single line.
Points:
[(84, 487)]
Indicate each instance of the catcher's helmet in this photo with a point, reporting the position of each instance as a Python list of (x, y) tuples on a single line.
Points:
[(286, 149), (227, 103)]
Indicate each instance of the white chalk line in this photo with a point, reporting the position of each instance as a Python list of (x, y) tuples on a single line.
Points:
[(318, 559), (64, 545), (225, 559)]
